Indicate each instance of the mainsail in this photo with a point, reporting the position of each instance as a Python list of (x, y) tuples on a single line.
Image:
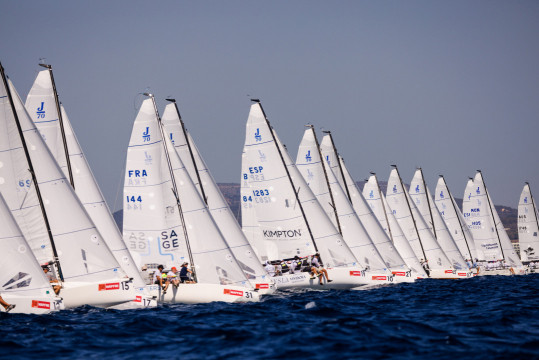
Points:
[(528, 226)]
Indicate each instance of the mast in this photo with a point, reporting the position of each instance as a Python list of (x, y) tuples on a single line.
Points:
[(174, 187), (410, 208), (491, 214), (34, 179), (204, 197), (333, 205), (61, 121), (339, 163), (383, 206), (428, 203), (296, 193), (458, 217)]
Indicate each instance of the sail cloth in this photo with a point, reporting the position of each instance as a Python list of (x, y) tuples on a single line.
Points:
[(426, 207), (20, 272), (335, 203), (380, 208), (528, 226), (207, 187), (160, 230), (385, 247), (447, 206), (414, 226), (41, 101), (273, 220), (82, 253)]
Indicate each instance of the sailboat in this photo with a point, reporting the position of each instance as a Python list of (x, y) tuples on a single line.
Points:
[(282, 218), (497, 252), (336, 205), (420, 195), (416, 230), (377, 202), (528, 226), (454, 220), (22, 282), (186, 148), (167, 222), (381, 241), (51, 216), (55, 128)]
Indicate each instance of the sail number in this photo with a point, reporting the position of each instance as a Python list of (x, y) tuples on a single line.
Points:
[(255, 173), (260, 196), (134, 202)]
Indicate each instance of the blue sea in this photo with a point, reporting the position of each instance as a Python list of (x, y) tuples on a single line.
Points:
[(481, 318)]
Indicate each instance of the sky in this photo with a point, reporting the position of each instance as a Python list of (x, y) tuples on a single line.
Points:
[(450, 86)]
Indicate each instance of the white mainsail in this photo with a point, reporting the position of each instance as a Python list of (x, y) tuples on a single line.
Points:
[(220, 211), (22, 281), (363, 211), (454, 220), (412, 223), (335, 203), (54, 217), (422, 198), (165, 219), (380, 208), (528, 226), (42, 100)]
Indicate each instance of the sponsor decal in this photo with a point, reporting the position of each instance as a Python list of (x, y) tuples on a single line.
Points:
[(233, 292), (374, 277), (110, 286), (41, 304), (355, 273), (262, 286), (138, 299), (449, 271), (462, 274), (282, 233), (399, 273)]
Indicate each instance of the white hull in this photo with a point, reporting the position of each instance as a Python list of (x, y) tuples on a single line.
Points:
[(450, 274), (343, 279), (142, 300), (405, 276), (101, 294), (502, 272), (266, 288), (204, 293), (32, 304)]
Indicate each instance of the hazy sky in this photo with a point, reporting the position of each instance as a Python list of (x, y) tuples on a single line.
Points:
[(449, 86)]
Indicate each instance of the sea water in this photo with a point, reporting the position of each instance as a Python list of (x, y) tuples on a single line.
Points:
[(481, 318)]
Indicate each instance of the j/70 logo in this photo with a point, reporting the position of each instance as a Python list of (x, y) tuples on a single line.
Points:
[(146, 134), (40, 111), (258, 137)]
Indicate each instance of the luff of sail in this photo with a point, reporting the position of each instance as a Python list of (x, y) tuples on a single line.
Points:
[(528, 226), (422, 198), (200, 175), (41, 100)]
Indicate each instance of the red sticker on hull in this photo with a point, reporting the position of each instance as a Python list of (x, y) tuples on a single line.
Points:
[(355, 273), (233, 292), (41, 304), (138, 299), (399, 273), (111, 286), (449, 271), (462, 274), (262, 286), (379, 277)]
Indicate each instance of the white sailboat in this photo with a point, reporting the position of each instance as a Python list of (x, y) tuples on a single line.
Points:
[(454, 220), (54, 126), (336, 205), (167, 222), (528, 226), (281, 217), (377, 202), (416, 230), (22, 281), (50, 215), (380, 239), (420, 195), (497, 252), (186, 148)]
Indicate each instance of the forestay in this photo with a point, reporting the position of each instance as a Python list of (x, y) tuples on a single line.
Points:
[(335, 203), (385, 247), (377, 202), (412, 223), (208, 189), (447, 206), (528, 226), (278, 225), (423, 201)]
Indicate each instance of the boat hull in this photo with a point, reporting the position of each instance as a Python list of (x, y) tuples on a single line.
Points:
[(450, 274), (100, 294), (343, 279), (32, 304), (501, 272), (204, 293), (142, 300)]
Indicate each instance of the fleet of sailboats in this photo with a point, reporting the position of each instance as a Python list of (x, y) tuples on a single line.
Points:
[(304, 224)]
